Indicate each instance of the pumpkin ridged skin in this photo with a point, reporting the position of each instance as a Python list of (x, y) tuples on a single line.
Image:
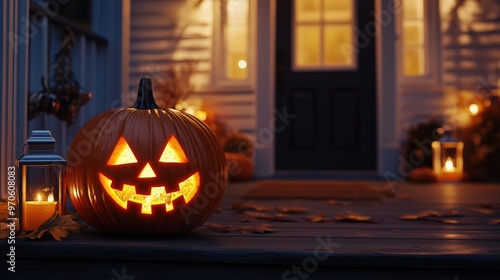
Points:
[(147, 132)]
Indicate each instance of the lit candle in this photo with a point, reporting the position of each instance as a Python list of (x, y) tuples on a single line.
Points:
[(473, 109), (450, 171), (448, 166), (37, 212)]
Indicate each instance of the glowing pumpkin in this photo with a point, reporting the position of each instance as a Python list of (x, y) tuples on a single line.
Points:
[(146, 170)]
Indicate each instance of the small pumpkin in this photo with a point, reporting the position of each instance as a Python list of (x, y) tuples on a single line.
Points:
[(145, 170)]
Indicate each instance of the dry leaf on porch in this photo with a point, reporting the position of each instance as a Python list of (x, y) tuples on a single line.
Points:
[(336, 202), (262, 228), (481, 210), (421, 215), (317, 218), (494, 222), (291, 210), (351, 216), (250, 205), (57, 226)]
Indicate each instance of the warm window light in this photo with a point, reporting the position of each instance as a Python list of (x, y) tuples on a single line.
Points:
[(473, 109), (202, 115), (323, 33), (242, 64), (237, 37), (413, 39)]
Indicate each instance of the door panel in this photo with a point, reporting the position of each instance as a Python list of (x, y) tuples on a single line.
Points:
[(335, 123)]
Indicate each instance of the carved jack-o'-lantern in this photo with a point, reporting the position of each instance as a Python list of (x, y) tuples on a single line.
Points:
[(146, 170)]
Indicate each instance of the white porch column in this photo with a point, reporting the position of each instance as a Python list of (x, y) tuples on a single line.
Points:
[(14, 37)]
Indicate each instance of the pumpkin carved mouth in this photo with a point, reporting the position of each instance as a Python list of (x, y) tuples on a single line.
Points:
[(158, 196)]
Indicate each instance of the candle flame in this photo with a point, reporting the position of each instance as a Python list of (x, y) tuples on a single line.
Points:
[(448, 166), (50, 197), (473, 109)]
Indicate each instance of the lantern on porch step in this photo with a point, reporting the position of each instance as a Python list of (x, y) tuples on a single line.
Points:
[(145, 170), (448, 158), (42, 190)]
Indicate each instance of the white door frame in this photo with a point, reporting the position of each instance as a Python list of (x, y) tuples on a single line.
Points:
[(387, 115)]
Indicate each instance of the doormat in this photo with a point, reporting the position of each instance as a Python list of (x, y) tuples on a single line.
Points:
[(340, 190)]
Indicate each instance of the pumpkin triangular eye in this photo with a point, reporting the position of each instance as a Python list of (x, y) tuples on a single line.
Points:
[(173, 152), (122, 154)]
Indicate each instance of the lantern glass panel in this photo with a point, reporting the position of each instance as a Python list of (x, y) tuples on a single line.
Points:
[(41, 194)]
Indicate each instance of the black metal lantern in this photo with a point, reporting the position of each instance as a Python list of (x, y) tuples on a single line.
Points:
[(448, 157), (42, 191)]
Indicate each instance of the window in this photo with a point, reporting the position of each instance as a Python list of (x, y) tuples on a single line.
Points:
[(232, 59), (236, 39), (324, 34), (414, 35), (419, 42)]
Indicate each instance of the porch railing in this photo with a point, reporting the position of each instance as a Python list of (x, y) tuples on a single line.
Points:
[(88, 65)]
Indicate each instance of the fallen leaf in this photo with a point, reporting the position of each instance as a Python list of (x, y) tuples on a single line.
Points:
[(421, 215), (410, 217), (291, 210), (350, 216), (429, 213), (449, 221), (317, 218), (480, 210), (250, 205), (336, 202), (262, 228), (57, 226), (494, 222)]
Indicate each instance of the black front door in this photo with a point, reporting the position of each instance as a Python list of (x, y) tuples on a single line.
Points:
[(332, 94)]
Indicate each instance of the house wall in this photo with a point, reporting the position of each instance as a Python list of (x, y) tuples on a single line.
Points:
[(470, 43), (466, 54), (96, 63), (171, 31)]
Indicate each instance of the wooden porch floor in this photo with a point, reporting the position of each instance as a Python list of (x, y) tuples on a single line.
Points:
[(387, 248)]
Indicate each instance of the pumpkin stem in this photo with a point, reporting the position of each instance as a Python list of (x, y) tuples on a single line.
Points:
[(145, 99)]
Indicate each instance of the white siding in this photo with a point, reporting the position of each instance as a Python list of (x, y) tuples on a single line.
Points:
[(469, 59), (171, 31), (471, 43)]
